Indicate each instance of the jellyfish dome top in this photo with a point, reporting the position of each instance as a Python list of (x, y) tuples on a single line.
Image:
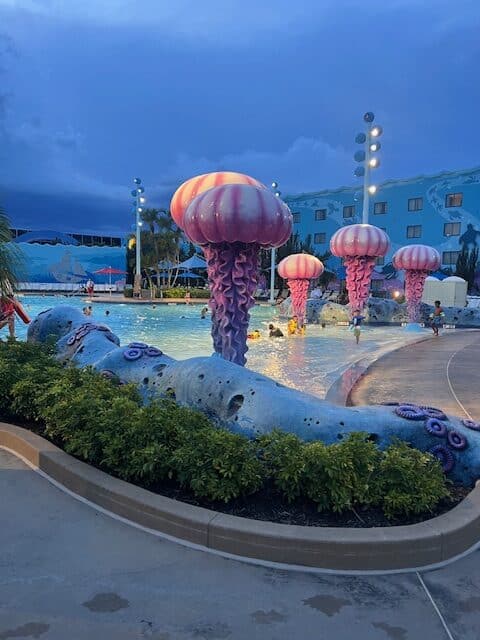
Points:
[(231, 222), (359, 245), (298, 269), (418, 260), (197, 185), (417, 257)]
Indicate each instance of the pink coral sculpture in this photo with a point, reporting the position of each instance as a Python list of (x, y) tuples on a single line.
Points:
[(231, 222), (359, 245), (298, 269), (418, 260)]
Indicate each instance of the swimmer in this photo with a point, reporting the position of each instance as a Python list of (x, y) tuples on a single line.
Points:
[(203, 313), (275, 332), (107, 312), (292, 326)]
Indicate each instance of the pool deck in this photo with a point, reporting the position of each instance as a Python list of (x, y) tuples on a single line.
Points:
[(443, 372)]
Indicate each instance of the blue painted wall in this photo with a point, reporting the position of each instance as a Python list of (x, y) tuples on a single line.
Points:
[(432, 217), (68, 263)]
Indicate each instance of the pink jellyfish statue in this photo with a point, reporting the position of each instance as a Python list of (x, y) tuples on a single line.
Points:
[(359, 245), (298, 269), (231, 222), (418, 260)]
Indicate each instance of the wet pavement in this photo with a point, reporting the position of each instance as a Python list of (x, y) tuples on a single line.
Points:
[(443, 372), (69, 572)]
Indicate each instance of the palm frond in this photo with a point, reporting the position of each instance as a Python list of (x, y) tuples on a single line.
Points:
[(12, 261)]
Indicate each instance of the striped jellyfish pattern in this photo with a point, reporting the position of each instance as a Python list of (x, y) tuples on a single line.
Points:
[(231, 223), (418, 260), (197, 185), (359, 245), (298, 269)]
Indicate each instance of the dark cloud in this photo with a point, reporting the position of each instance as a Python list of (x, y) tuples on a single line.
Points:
[(103, 90)]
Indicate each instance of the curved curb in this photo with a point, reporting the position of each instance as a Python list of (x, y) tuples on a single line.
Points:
[(383, 549)]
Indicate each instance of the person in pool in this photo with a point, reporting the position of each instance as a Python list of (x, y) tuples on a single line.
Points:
[(7, 315), (356, 323), (292, 326), (436, 317), (203, 313), (274, 332)]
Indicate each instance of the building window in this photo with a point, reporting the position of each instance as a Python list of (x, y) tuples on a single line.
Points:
[(380, 207), (453, 199), (450, 257), (451, 229), (414, 231), (320, 214), (415, 204), (380, 261), (349, 212), (320, 238), (296, 217)]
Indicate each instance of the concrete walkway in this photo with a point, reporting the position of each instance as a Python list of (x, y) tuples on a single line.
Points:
[(442, 372), (68, 572)]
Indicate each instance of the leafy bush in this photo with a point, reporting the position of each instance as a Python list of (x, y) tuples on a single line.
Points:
[(24, 368), (128, 291), (179, 292), (284, 459), (409, 481), (142, 449), (340, 476), (217, 464)]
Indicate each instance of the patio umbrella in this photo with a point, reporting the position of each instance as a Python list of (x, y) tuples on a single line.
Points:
[(109, 271), (195, 262)]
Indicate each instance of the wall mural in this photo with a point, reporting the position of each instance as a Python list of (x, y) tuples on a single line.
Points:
[(70, 264)]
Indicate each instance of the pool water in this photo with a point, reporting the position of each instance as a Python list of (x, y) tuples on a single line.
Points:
[(309, 363)]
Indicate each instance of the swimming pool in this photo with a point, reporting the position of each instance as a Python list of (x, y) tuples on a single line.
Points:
[(310, 363)]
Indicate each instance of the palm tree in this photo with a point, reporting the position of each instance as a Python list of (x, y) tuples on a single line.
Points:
[(11, 259)]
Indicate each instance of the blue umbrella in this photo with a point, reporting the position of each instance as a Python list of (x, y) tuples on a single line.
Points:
[(195, 262)]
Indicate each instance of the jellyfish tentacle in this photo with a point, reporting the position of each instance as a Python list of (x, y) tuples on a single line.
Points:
[(359, 275), (414, 284), (232, 270), (299, 292)]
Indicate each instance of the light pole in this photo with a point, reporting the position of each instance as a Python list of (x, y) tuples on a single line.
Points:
[(140, 200), (366, 160), (274, 186)]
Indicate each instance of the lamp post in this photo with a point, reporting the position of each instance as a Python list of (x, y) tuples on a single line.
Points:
[(140, 200), (367, 161), (275, 190)]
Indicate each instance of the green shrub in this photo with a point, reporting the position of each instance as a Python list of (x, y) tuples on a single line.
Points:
[(179, 292), (283, 456), (142, 449), (409, 481), (128, 291), (74, 407), (217, 464), (24, 368), (340, 476)]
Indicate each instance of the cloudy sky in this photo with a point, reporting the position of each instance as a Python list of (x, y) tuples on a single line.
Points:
[(95, 92)]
